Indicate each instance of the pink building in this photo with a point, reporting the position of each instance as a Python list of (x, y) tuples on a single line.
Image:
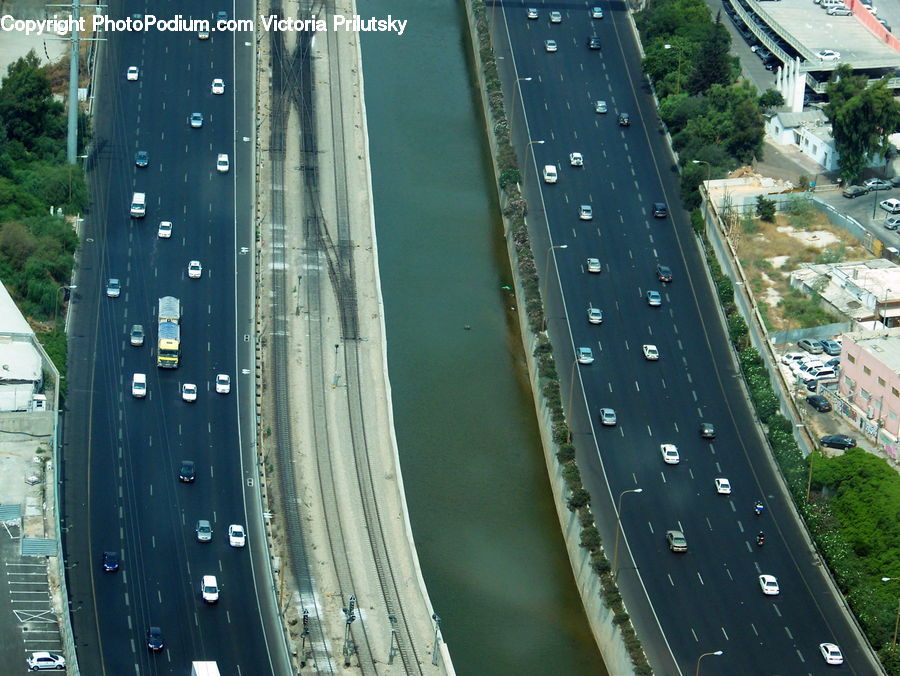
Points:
[(870, 381)]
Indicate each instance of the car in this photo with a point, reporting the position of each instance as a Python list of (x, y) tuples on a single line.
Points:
[(600, 107), (137, 335), (204, 531), (221, 15), (839, 11), (209, 589), (164, 231), (650, 352), (841, 441), (576, 160), (669, 453), (550, 45), (223, 383), (139, 385), (664, 273), (831, 347), (189, 392), (809, 369), (109, 562), (828, 55), (831, 653), (195, 270), (155, 641), (676, 541), (810, 345), (723, 486), (818, 402), (593, 265), (186, 472), (769, 585), (585, 212), (196, 120), (218, 86), (877, 184), (607, 417), (892, 205), (762, 53), (772, 63), (113, 288), (834, 362), (41, 661), (141, 158), (549, 173), (222, 163), (895, 181), (624, 120), (132, 74), (555, 17), (892, 222), (585, 355), (594, 315), (660, 210), (531, 13), (594, 42), (596, 12), (707, 430), (203, 34), (237, 537), (654, 298), (825, 373), (789, 358)]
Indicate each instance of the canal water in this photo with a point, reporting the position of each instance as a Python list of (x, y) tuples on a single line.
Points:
[(482, 513)]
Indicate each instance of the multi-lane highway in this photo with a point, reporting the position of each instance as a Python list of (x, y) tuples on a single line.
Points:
[(708, 598), (122, 455)]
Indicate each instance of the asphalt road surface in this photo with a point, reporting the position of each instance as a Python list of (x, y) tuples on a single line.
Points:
[(708, 598)]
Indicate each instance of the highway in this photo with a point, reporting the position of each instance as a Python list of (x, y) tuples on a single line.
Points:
[(122, 455), (708, 598)]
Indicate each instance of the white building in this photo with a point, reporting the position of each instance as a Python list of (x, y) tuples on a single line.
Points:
[(809, 131), (21, 367)]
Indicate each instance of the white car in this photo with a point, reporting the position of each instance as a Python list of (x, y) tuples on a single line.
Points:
[(218, 86), (222, 164), (607, 417), (555, 17), (585, 355), (789, 358), (585, 212), (576, 160), (532, 13), (203, 34), (595, 315), (223, 383), (593, 265), (654, 298), (550, 175), (113, 288), (236, 535), (189, 392), (196, 120), (723, 486), (596, 12), (650, 352), (600, 107), (669, 453), (165, 230), (831, 653), (550, 45), (131, 75), (209, 588), (892, 205), (139, 385), (43, 660), (828, 55), (195, 270), (769, 585)]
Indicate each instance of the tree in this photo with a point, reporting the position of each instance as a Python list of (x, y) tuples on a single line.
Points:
[(771, 98), (712, 64), (765, 209), (27, 108)]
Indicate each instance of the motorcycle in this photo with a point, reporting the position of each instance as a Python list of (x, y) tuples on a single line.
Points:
[(758, 508), (760, 540)]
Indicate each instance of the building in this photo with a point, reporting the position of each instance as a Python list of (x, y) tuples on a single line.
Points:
[(21, 363), (870, 381), (809, 131)]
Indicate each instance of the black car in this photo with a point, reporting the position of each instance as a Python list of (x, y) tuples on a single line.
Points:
[(772, 63), (841, 441), (664, 273), (155, 639), (110, 562), (818, 402), (624, 120), (707, 430), (142, 158), (593, 42), (186, 473), (660, 210)]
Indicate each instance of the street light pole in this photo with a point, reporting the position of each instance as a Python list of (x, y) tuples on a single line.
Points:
[(516, 90), (533, 158), (896, 621), (571, 394), (546, 274), (717, 652), (678, 74), (615, 567)]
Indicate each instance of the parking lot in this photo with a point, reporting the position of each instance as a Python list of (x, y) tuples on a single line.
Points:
[(866, 212)]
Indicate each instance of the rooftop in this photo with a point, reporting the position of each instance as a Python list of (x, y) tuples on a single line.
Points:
[(883, 344)]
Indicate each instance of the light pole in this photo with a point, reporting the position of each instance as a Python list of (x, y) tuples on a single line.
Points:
[(437, 638), (678, 75), (884, 308), (897, 621), (56, 300), (809, 478), (533, 158), (516, 90), (717, 653), (615, 567), (546, 273), (571, 393)]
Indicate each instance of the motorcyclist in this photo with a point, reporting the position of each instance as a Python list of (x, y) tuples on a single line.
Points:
[(760, 539), (758, 508)]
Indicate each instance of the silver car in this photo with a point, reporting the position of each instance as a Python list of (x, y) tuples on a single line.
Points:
[(204, 531)]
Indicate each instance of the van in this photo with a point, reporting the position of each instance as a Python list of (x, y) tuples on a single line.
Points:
[(138, 205), (550, 173)]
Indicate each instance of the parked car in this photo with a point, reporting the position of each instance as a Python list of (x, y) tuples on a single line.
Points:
[(831, 347), (841, 441), (810, 345), (892, 222), (818, 402), (789, 358), (877, 184), (852, 191), (892, 205)]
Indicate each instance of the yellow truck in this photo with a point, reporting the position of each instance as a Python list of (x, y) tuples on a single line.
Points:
[(168, 352)]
